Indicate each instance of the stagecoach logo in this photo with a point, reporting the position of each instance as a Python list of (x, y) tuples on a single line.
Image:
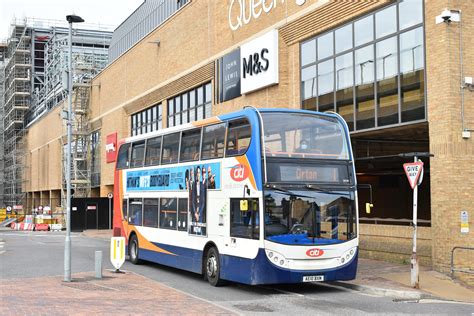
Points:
[(239, 172), (241, 12), (315, 252)]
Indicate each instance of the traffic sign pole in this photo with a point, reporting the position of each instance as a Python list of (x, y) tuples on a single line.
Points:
[(414, 172), (110, 196), (415, 277)]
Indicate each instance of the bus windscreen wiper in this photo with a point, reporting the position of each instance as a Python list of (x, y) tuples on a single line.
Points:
[(291, 193), (316, 188)]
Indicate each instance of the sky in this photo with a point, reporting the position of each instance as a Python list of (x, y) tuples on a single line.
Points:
[(100, 12)]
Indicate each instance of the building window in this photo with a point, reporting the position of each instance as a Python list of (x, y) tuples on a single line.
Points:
[(190, 106), (148, 120), (95, 158), (371, 70)]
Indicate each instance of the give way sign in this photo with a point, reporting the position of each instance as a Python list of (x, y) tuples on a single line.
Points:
[(413, 171)]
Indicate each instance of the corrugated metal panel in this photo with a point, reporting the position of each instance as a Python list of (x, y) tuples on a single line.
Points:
[(146, 18)]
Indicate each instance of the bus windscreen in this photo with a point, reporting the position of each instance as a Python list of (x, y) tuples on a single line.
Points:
[(301, 135)]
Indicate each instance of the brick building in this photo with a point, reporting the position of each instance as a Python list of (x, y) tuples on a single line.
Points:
[(392, 69)]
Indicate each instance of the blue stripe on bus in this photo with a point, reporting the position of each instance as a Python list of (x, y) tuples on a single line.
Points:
[(253, 153), (248, 271)]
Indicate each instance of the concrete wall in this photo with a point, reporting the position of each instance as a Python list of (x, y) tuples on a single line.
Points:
[(44, 152), (452, 171)]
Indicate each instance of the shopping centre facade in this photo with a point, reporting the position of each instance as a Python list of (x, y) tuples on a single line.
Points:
[(393, 69)]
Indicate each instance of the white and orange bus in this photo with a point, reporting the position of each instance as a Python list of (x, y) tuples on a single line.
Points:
[(258, 196)]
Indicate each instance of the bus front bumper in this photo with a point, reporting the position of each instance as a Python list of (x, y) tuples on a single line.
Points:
[(261, 271)]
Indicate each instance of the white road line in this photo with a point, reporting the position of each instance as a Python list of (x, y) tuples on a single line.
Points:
[(2, 252), (281, 291)]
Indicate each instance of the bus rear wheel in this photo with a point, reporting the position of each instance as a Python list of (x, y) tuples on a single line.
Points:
[(133, 249), (213, 267)]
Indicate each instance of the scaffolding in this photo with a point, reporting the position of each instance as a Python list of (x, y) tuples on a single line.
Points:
[(3, 60), (36, 59), (80, 143), (16, 102)]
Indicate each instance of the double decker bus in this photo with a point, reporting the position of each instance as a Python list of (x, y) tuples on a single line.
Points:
[(259, 196)]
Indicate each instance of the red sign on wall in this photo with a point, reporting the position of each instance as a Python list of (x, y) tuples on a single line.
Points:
[(111, 147)]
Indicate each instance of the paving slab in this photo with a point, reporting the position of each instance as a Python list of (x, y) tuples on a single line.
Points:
[(115, 294), (437, 284)]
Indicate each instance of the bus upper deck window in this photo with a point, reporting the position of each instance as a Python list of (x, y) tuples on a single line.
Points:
[(153, 151), (190, 144), (138, 152), (238, 137), (213, 140), (122, 158), (170, 148)]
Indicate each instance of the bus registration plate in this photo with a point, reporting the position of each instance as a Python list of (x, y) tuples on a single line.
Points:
[(313, 278)]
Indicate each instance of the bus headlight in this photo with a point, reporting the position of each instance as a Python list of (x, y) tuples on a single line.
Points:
[(348, 255), (277, 258)]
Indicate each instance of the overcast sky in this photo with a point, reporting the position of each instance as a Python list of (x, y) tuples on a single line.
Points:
[(104, 12)]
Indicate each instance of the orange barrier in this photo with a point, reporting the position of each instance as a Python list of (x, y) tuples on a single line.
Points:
[(41, 227)]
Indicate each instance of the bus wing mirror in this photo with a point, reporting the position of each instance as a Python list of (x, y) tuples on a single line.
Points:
[(246, 190), (368, 207)]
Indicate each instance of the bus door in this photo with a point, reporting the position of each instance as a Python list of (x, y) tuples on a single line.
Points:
[(244, 221)]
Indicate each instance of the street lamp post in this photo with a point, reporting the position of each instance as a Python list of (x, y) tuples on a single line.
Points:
[(67, 247)]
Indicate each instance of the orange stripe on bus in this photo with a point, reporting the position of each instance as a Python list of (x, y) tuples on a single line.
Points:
[(244, 161), (145, 244), (207, 121)]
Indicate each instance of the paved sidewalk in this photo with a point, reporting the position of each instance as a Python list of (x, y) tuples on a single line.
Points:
[(115, 294), (98, 233), (388, 279), (391, 279)]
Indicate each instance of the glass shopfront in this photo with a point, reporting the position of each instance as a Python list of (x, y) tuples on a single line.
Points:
[(371, 70)]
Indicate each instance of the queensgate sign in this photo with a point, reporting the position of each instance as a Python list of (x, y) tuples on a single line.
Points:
[(241, 12)]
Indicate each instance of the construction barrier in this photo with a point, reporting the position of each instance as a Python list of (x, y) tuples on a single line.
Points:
[(29, 227), (22, 226), (55, 227), (41, 227)]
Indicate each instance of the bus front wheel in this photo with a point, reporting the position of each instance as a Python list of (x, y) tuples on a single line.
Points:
[(213, 269), (133, 249)]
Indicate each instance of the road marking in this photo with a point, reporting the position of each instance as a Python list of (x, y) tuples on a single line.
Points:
[(281, 291), (434, 300), (2, 252), (26, 234)]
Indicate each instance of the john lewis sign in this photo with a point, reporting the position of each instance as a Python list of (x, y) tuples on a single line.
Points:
[(259, 62)]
